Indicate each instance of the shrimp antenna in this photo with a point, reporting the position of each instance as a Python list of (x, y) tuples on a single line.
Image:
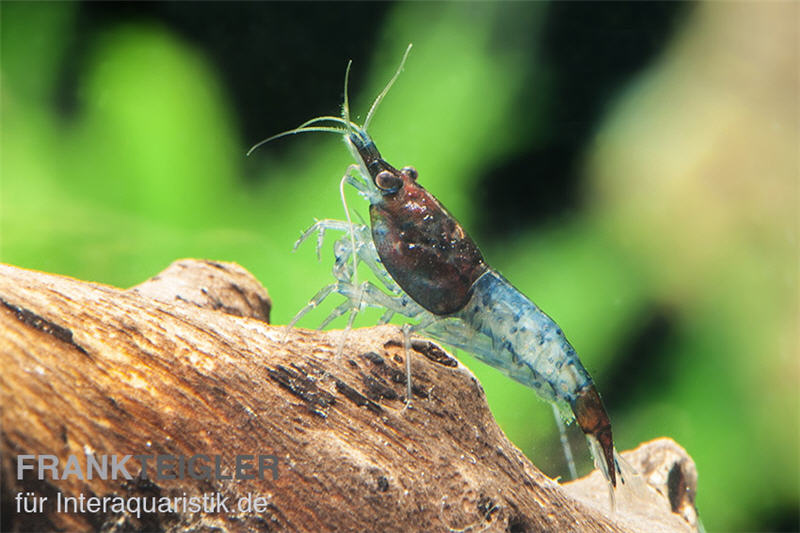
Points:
[(385, 90), (304, 128), (349, 125), (301, 129), (348, 128), (346, 103)]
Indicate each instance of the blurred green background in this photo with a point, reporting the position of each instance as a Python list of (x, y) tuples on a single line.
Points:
[(633, 168)]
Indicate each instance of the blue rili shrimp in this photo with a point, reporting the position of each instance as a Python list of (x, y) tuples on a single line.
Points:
[(434, 272)]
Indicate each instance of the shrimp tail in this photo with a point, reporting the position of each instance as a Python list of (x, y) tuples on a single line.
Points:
[(593, 420)]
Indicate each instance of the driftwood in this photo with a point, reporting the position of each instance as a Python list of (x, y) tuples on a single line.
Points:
[(186, 364)]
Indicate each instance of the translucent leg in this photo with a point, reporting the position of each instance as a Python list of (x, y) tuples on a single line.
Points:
[(314, 302), (362, 184), (338, 311), (320, 226), (341, 270), (343, 249), (426, 320), (407, 356), (368, 294), (368, 254), (562, 431), (358, 297), (346, 331), (386, 317)]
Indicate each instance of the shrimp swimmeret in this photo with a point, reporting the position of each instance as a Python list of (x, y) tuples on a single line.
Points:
[(435, 273)]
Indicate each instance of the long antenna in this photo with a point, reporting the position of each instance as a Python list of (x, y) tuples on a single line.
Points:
[(385, 89), (301, 129), (346, 104)]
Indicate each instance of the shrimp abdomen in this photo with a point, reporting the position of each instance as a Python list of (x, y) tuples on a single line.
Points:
[(538, 355)]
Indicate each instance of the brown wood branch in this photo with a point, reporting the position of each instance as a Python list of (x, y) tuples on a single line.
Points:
[(167, 368)]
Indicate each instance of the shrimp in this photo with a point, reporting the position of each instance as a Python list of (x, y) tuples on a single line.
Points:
[(433, 271)]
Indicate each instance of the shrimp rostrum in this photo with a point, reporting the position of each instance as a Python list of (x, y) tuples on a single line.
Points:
[(433, 271)]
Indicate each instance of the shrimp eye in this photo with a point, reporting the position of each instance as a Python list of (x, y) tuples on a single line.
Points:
[(388, 182), (411, 172)]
